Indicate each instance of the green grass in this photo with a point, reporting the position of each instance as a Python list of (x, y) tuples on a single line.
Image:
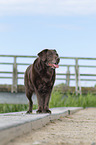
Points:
[(6, 108), (58, 99), (68, 100)]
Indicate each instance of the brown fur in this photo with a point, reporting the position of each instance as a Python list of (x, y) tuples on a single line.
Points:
[(40, 78)]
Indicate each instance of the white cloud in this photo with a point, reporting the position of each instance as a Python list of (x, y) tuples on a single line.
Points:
[(49, 7)]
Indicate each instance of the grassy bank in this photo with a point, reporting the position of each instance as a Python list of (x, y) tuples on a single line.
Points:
[(72, 100), (58, 99), (6, 108)]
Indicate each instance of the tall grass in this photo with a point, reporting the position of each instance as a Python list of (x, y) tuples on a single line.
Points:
[(6, 108), (59, 100)]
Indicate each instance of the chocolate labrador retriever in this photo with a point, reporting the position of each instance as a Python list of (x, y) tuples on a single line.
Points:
[(40, 78)]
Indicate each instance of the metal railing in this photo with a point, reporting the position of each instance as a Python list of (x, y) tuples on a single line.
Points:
[(60, 76)]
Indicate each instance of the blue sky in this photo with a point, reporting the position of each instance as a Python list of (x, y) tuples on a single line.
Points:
[(28, 26)]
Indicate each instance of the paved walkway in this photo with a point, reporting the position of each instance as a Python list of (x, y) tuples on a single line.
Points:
[(76, 129), (13, 125)]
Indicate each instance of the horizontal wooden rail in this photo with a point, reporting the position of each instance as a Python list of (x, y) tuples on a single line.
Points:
[(5, 77), (61, 65), (58, 74), (26, 56), (5, 72), (74, 79), (83, 58), (89, 66), (3, 63)]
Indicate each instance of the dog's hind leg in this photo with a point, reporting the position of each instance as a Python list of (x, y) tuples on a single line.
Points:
[(29, 96)]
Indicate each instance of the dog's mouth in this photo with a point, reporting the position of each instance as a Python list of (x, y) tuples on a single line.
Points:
[(53, 65)]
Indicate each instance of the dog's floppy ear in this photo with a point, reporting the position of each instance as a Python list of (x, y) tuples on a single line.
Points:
[(42, 54), (55, 50)]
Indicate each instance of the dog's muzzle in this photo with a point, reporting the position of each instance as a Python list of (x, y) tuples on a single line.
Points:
[(53, 65)]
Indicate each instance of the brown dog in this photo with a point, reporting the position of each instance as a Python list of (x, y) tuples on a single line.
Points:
[(40, 78)]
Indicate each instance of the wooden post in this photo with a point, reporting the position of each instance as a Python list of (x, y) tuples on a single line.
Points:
[(14, 78), (79, 83), (68, 77), (76, 75)]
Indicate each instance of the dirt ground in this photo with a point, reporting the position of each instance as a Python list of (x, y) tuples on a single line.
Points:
[(76, 129)]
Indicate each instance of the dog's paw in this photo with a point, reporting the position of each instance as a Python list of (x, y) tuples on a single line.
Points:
[(48, 111), (39, 111), (29, 112)]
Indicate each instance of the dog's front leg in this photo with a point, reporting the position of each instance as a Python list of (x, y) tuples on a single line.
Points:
[(40, 104), (46, 104)]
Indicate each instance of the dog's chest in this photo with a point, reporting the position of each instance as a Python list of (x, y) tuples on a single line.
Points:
[(49, 73)]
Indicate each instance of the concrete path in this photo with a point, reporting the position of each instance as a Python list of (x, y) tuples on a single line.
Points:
[(15, 124)]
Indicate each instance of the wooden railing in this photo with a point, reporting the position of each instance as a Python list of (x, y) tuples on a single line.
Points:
[(59, 76)]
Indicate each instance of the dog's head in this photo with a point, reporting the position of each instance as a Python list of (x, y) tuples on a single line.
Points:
[(50, 58)]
